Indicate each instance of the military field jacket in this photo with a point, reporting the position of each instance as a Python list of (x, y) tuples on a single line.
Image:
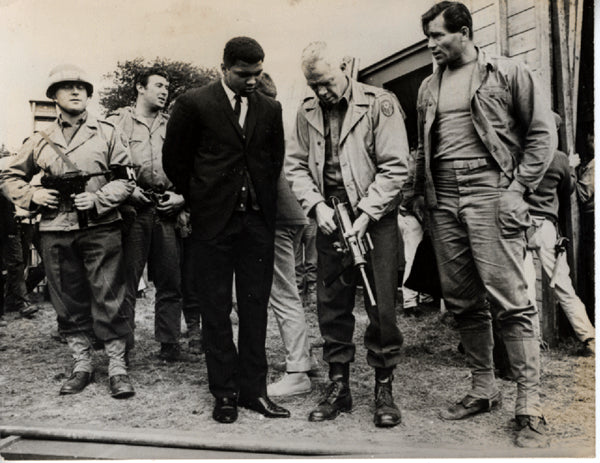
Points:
[(145, 147), (373, 152), (511, 116), (95, 146)]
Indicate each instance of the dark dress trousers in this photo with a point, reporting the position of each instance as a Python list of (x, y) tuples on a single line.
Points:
[(209, 158)]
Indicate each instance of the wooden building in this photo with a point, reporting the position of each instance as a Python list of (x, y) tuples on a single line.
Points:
[(555, 39), (43, 113)]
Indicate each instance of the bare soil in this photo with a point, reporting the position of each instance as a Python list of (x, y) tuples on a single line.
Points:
[(174, 397)]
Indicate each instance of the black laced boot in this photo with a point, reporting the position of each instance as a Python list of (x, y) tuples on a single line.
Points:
[(387, 414), (337, 397)]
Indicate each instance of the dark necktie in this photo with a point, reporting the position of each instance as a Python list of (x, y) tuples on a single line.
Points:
[(237, 109)]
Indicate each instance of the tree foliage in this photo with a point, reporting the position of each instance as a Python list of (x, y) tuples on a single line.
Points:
[(182, 77)]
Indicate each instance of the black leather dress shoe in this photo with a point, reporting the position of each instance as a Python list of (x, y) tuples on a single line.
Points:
[(265, 406), (76, 382), (120, 387), (471, 406), (225, 410), (337, 399)]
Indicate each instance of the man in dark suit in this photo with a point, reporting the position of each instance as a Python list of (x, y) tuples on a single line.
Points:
[(223, 151)]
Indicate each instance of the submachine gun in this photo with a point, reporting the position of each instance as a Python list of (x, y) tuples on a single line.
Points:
[(72, 183), (350, 245), (68, 185)]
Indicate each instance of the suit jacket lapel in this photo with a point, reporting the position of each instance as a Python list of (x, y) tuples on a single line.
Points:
[(227, 109)]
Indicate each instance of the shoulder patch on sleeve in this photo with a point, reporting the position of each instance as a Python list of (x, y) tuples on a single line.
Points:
[(387, 107)]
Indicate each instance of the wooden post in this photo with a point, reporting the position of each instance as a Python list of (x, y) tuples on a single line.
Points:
[(575, 45), (502, 31), (566, 107)]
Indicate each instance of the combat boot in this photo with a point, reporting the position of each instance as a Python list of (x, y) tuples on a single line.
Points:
[(337, 397), (387, 413), (531, 432)]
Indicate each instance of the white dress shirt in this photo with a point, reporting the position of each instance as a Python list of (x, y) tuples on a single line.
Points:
[(244, 104)]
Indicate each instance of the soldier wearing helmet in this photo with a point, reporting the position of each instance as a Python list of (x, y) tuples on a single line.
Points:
[(82, 258)]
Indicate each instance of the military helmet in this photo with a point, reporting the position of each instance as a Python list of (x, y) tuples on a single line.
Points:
[(67, 73)]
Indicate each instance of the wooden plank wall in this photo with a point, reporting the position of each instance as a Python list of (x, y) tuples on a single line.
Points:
[(515, 28)]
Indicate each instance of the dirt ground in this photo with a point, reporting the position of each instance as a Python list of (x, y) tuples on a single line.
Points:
[(175, 397)]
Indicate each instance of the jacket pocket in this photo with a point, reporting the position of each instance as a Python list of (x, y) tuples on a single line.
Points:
[(494, 101), (513, 214)]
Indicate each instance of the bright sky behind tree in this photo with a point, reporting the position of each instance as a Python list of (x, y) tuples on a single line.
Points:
[(36, 35)]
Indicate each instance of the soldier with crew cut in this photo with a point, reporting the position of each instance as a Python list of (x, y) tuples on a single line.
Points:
[(80, 232), (349, 145)]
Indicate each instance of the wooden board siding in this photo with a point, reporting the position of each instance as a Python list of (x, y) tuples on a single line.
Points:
[(516, 6), (521, 22), (486, 32)]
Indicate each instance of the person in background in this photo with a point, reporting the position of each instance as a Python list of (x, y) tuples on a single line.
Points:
[(585, 195), (546, 205), (223, 151), (486, 136), (349, 142), (411, 234), (14, 258), (305, 255), (83, 261), (151, 236), (285, 299), (191, 300)]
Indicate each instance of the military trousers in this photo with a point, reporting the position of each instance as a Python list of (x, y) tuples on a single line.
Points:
[(86, 280), (478, 233), (152, 239), (336, 298)]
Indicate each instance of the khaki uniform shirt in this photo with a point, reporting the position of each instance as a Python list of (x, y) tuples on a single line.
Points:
[(145, 146), (96, 146)]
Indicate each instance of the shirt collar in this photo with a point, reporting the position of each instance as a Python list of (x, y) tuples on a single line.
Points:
[(230, 93), (80, 121), (344, 99), (348, 92), (484, 61)]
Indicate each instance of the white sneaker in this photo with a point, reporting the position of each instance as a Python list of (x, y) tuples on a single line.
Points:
[(290, 384)]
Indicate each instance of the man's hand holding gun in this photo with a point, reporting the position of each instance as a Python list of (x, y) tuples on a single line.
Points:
[(66, 191), (167, 203), (354, 240), (171, 203), (45, 197)]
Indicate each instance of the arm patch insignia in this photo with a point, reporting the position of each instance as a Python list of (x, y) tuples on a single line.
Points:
[(387, 108)]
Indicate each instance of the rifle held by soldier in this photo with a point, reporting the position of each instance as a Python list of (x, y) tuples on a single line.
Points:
[(349, 244)]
